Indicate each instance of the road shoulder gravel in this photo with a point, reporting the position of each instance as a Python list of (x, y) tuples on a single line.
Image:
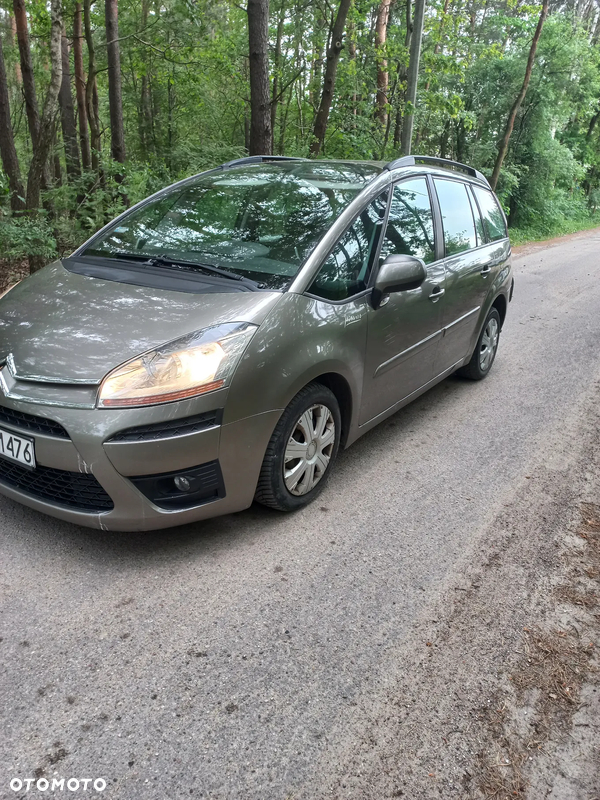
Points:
[(497, 693)]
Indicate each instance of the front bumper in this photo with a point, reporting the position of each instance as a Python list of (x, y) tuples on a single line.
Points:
[(94, 450)]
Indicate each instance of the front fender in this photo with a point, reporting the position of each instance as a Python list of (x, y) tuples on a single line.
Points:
[(301, 339)]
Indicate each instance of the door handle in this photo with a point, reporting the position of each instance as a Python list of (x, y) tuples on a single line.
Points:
[(436, 293), (485, 271)]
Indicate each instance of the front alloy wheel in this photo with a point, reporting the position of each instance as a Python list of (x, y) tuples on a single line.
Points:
[(302, 450)]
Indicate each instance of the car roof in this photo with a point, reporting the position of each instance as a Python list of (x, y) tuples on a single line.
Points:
[(430, 163), (338, 172)]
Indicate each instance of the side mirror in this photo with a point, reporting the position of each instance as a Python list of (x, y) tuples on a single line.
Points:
[(398, 273)]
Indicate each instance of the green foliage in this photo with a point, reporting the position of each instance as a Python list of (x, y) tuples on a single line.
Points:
[(185, 71), (566, 226), (25, 235)]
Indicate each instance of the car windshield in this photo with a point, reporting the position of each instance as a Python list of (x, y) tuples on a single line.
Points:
[(259, 221)]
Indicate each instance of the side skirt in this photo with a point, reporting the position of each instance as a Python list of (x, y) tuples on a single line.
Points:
[(367, 426)]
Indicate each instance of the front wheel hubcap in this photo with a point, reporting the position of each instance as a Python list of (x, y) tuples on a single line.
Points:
[(309, 450), (489, 344)]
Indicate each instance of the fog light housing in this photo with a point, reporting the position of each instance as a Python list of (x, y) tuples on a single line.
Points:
[(183, 488), (182, 483)]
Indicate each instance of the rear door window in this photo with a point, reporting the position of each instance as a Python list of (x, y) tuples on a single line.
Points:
[(457, 216), (493, 218)]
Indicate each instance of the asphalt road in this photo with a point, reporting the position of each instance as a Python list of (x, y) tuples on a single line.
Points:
[(233, 658)]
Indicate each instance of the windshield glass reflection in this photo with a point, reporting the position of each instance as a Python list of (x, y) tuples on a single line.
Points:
[(260, 221)]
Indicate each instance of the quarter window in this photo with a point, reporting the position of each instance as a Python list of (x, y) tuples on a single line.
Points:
[(481, 234), (347, 268), (493, 219), (410, 223), (457, 217)]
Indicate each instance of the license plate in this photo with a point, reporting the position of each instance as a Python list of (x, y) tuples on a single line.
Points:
[(17, 448)]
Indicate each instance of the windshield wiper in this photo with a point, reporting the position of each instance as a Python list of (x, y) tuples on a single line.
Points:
[(122, 256), (176, 263), (167, 261)]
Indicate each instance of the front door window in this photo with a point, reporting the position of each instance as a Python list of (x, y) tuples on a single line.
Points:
[(410, 223), (346, 270)]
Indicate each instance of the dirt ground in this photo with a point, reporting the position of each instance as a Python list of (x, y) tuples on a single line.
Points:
[(11, 272), (516, 712)]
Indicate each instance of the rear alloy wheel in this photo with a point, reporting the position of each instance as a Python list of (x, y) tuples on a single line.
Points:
[(302, 450), (485, 351)]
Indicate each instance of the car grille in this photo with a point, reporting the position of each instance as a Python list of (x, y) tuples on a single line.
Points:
[(76, 490), (27, 422), (174, 427)]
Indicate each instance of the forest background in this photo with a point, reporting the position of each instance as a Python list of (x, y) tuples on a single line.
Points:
[(102, 103)]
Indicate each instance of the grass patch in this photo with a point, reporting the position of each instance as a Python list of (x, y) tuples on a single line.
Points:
[(527, 235)]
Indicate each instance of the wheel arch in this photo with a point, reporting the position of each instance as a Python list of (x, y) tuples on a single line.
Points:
[(343, 394), (501, 306)]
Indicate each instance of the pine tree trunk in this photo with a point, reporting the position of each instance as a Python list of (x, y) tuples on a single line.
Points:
[(10, 160), (381, 26), (13, 36), (145, 117), (276, 70), (503, 146), (90, 89), (283, 123), (319, 23), (146, 134), (333, 57), (31, 106), (413, 76), (170, 106), (29, 93), (67, 115), (403, 75), (592, 125), (57, 175), (46, 128), (351, 39), (260, 101), (84, 136), (115, 100)]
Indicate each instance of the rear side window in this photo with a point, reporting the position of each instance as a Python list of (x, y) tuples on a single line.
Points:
[(493, 218), (410, 223), (457, 217), (346, 270)]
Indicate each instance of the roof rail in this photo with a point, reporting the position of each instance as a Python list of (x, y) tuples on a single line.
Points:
[(443, 163), (258, 160)]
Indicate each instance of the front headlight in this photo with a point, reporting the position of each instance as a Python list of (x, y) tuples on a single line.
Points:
[(195, 364)]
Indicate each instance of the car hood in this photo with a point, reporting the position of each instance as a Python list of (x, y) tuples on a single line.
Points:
[(58, 325)]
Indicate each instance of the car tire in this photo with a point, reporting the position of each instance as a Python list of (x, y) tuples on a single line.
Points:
[(302, 450), (485, 351)]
